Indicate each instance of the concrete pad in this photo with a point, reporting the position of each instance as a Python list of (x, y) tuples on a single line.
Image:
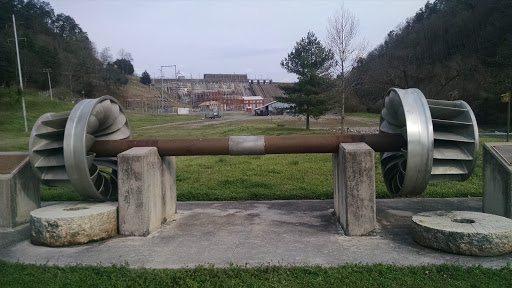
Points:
[(19, 189), (262, 232), (72, 224)]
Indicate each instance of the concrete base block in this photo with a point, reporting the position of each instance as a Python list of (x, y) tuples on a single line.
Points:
[(354, 188), (147, 190), (11, 236), (73, 223), (19, 189), (168, 187), (497, 198)]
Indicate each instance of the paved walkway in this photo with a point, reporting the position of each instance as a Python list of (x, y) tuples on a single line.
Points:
[(262, 232)]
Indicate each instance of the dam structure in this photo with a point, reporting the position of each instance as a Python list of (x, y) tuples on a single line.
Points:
[(228, 90)]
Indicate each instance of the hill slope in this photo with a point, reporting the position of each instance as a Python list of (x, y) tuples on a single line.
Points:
[(451, 49), (134, 92)]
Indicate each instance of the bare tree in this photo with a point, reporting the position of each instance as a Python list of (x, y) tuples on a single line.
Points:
[(105, 56), (123, 54), (343, 40)]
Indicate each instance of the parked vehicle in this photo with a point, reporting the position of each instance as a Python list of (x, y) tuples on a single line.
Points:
[(212, 114)]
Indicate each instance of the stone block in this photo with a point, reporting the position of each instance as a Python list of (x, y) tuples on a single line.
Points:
[(354, 188), (463, 232), (497, 183), (147, 190), (73, 223), (19, 189)]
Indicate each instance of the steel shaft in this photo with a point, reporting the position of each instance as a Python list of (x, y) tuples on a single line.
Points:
[(293, 144)]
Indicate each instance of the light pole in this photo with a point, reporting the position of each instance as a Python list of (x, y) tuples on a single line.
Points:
[(19, 69), (48, 70), (162, 78)]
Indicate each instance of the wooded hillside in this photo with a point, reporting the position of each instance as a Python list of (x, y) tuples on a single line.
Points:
[(451, 49), (56, 42)]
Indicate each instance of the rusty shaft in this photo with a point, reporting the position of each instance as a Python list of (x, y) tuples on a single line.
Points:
[(251, 145)]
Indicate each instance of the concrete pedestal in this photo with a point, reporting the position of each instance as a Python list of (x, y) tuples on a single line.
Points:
[(497, 198), (168, 187), (19, 189), (147, 190), (354, 188)]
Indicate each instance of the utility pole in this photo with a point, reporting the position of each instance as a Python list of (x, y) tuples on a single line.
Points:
[(19, 70), (162, 77), (506, 98), (162, 87), (48, 70), (192, 92)]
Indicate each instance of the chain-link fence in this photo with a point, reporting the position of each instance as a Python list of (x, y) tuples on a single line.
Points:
[(153, 106)]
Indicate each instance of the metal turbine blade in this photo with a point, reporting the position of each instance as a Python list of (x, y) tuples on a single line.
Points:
[(46, 148), (442, 141), (93, 119), (59, 147)]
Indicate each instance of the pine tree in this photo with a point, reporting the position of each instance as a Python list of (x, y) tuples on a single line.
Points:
[(310, 61), (145, 78)]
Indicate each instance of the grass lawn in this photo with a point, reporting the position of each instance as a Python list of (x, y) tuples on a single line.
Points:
[(350, 275)]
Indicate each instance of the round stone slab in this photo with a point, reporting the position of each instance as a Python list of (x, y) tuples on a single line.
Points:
[(73, 223), (464, 232)]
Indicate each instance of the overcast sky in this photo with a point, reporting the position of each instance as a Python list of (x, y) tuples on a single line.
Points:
[(222, 36)]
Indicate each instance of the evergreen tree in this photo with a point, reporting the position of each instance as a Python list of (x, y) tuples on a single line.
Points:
[(125, 66), (145, 78), (310, 61)]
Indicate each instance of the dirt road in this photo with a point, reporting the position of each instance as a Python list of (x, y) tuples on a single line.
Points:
[(353, 123)]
